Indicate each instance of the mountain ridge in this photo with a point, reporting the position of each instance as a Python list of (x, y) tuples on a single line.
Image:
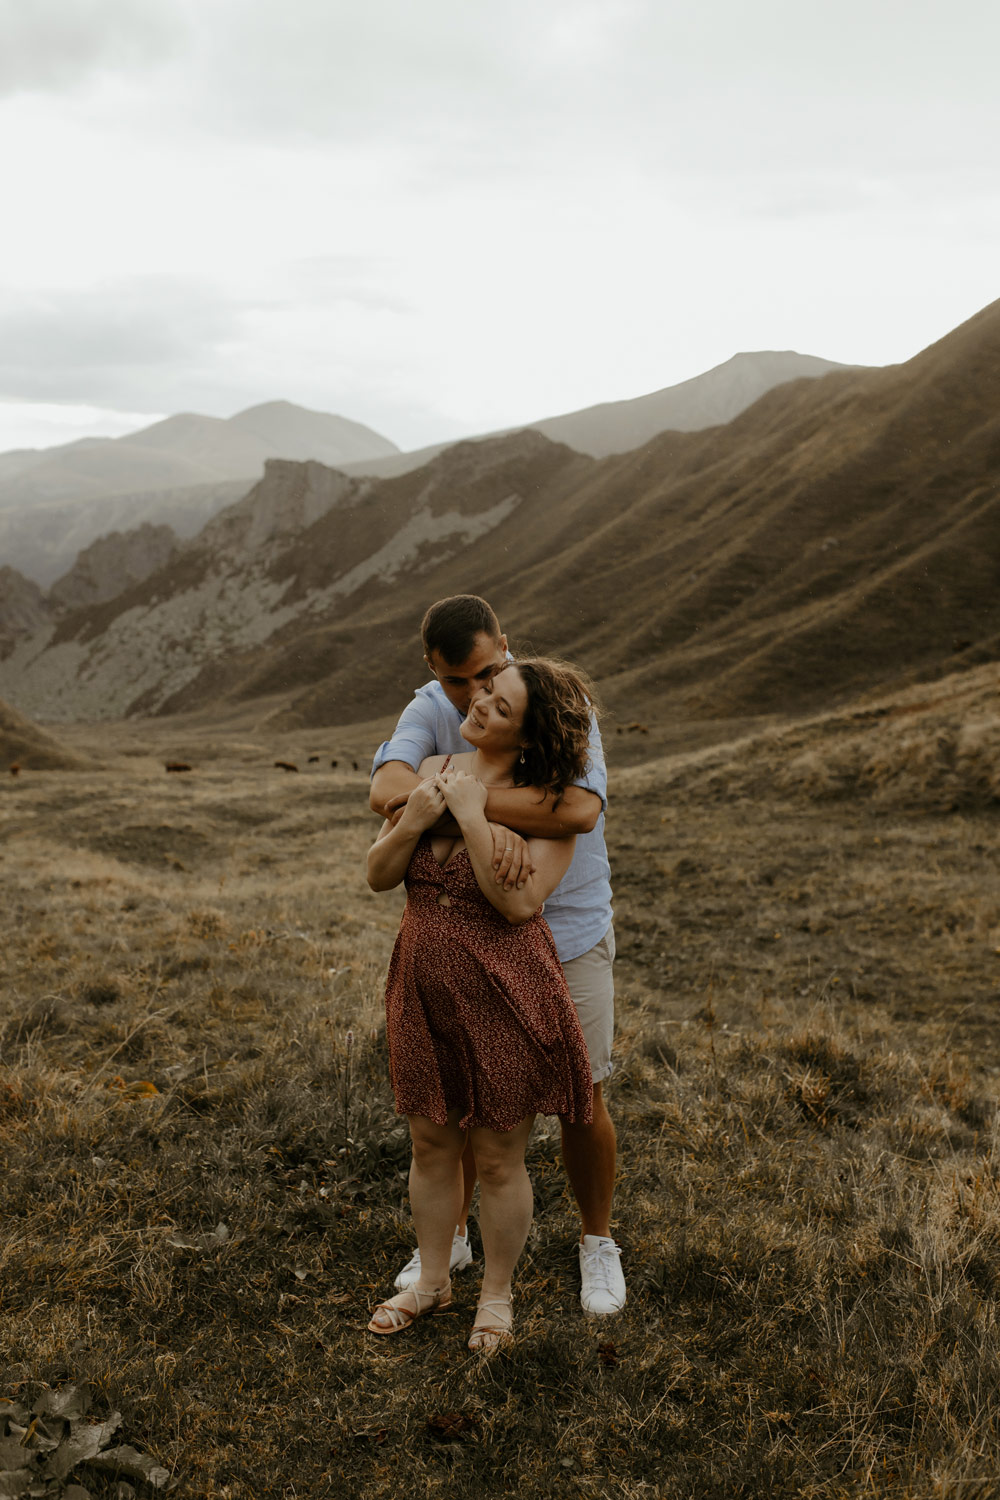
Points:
[(840, 535), (182, 468), (175, 472), (709, 399)]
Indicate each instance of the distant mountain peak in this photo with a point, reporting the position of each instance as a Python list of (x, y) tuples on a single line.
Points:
[(281, 405), (56, 501), (839, 534)]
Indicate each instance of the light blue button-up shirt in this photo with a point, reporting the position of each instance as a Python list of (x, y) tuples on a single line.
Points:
[(579, 909)]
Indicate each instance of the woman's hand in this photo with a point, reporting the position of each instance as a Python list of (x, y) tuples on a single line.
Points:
[(464, 794), (424, 806)]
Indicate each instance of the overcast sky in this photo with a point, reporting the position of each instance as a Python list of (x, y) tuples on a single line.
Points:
[(440, 217)]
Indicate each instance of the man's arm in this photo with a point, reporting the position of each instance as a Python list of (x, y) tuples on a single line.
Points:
[(516, 807), (520, 809), (391, 786), (533, 816), (394, 769), (393, 779)]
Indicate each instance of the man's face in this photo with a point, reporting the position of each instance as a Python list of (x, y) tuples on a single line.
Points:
[(460, 680)]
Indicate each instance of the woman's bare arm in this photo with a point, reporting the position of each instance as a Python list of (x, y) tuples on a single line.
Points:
[(390, 855), (550, 858)]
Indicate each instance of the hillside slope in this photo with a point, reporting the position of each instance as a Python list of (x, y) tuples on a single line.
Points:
[(24, 608), (707, 400), (841, 534), (23, 745), (178, 472), (306, 545)]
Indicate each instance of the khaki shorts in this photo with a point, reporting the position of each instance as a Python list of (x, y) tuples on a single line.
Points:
[(592, 986)]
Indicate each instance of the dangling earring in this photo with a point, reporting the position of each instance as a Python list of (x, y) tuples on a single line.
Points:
[(522, 757)]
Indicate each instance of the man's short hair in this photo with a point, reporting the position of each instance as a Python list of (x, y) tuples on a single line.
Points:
[(451, 625)]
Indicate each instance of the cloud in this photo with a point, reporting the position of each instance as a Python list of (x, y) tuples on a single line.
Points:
[(475, 88), (43, 425), (116, 346), (445, 214), (466, 92), (318, 336), (53, 45)]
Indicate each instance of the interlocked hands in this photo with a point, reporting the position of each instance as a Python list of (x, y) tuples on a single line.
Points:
[(456, 793), (464, 794), (422, 807)]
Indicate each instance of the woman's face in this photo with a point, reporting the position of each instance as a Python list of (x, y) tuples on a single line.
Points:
[(497, 712)]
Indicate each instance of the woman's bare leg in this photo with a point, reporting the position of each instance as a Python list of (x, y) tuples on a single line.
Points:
[(435, 1202), (505, 1208), (436, 1192)]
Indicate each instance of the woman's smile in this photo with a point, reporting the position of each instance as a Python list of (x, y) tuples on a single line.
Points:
[(494, 716)]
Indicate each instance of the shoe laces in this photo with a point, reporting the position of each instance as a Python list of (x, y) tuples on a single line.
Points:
[(600, 1263)]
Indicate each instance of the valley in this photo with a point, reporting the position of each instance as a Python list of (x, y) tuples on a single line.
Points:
[(194, 1090), (792, 621)]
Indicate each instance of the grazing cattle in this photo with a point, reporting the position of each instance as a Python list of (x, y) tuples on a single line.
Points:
[(177, 765), (354, 764), (285, 765), (636, 728), (313, 759), (333, 765), (15, 768)]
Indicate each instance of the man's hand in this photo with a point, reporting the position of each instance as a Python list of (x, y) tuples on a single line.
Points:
[(510, 857), (395, 806)]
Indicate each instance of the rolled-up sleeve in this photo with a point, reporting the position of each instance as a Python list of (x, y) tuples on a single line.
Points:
[(414, 737)]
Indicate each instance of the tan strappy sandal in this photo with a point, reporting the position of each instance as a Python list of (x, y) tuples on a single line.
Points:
[(485, 1337), (401, 1317)]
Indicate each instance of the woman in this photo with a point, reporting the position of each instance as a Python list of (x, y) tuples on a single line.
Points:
[(482, 1031)]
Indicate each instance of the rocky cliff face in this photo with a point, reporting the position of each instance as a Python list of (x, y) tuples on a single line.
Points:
[(840, 535), (180, 472), (112, 564), (306, 545), (23, 609), (43, 540), (288, 499)]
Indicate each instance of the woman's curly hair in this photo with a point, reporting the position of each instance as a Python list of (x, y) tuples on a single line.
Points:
[(556, 725)]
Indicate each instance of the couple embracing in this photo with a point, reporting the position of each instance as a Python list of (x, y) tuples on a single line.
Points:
[(493, 787)]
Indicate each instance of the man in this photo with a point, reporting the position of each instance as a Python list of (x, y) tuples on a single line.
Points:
[(463, 647)]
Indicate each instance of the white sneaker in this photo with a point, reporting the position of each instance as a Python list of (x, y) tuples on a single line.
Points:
[(602, 1289), (461, 1256)]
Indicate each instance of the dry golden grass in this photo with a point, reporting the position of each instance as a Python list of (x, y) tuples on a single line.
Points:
[(808, 1201), (934, 747)]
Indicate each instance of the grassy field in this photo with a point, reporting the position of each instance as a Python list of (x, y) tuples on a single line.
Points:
[(204, 1179)]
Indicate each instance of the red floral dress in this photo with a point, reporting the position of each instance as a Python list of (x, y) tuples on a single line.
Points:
[(478, 1015)]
